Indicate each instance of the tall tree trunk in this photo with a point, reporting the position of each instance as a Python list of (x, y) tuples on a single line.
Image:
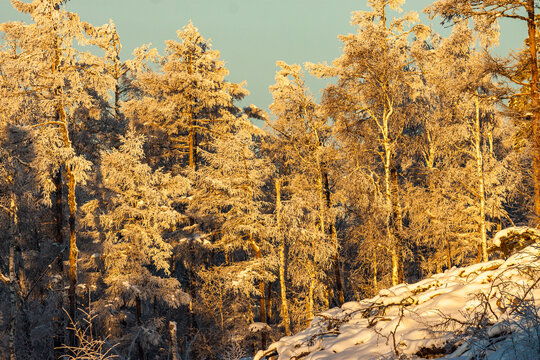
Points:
[(448, 252), (58, 338), (480, 181), (310, 299), (12, 292), (535, 97), (262, 312), (138, 313), (397, 221), (73, 250), (394, 251), (262, 299), (59, 211), (374, 269), (269, 303), (333, 234), (173, 350), (282, 264)]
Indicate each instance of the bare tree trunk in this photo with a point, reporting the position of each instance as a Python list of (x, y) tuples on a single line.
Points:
[(448, 252), (394, 252), (73, 250), (59, 211), (262, 312), (374, 268), (269, 303), (535, 97), (173, 350), (333, 234), (282, 264), (262, 299), (397, 225), (138, 311), (481, 186), (12, 293), (58, 337), (310, 301)]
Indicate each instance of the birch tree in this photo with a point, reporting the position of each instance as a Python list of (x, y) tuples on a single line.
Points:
[(302, 150), (485, 15), (373, 88)]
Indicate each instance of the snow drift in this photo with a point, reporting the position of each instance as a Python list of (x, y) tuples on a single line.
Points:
[(487, 310)]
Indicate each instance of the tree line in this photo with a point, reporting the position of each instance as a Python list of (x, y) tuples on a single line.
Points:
[(145, 216)]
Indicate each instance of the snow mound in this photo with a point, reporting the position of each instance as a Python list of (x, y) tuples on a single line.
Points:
[(515, 238), (488, 310)]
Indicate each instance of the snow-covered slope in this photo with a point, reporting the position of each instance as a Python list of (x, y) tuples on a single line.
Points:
[(484, 311)]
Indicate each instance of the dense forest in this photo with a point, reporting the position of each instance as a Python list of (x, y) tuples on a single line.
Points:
[(144, 216)]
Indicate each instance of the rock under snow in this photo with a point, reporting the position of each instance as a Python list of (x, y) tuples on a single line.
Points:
[(515, 238)]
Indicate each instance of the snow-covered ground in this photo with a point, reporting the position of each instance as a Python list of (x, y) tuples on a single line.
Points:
[(484, 311)]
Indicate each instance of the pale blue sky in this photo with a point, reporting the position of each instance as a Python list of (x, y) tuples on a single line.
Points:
[(250, 34)]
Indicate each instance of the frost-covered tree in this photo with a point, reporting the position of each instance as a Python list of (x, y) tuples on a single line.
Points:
[(53, 83), (485, 14), (227, 205), (369, 100), (138, 221), (301, 147), (178, 106), (463, 157)]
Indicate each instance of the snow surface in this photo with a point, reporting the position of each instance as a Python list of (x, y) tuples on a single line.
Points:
[(487, 310)]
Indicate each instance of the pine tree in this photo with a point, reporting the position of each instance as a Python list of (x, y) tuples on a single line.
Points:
[(138, 220), (55, 86), (227, 202), (178, 106)]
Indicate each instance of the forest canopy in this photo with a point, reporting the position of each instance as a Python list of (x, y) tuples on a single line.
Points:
[(143, 214)]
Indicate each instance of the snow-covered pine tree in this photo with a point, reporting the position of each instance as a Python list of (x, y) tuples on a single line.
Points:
[(178, 106), (138, 220), (227, 205), (55, 86)]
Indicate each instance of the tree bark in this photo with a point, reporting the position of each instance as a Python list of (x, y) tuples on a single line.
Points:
[(394, 252), (397, 221), (173, 350), (448, 252), (12, 293), (138, 313), (269, 303), (262, 299), (58, 209), (333, 234), (73, 250), (282, 264), (310, 301), (481, 186), (374, 266)]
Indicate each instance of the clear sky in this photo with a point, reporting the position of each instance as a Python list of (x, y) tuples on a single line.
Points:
[(250, 34)]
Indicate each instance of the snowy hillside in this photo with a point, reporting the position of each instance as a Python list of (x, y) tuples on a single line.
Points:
[(488, 311)]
